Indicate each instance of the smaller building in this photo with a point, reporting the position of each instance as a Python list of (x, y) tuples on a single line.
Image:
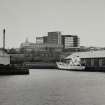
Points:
[(41, 40), (17, 58), (4, 58), (91, 58), (42, 47), (26, 43)]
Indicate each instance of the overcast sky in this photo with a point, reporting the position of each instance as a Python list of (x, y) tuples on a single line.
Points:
[(31, 18)]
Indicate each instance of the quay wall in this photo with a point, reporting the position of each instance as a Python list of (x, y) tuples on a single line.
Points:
[(40, 65)]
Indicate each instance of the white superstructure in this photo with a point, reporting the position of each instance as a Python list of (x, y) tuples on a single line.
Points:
[(73, 64)]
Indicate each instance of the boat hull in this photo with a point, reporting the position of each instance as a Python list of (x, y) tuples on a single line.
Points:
[(64, 66)]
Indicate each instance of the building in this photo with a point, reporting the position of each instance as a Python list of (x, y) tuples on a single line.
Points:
[(54, 41), (91, 58), (4, 58), (50, 42), (39, 52), (41, 39), (26, 46), (45, 38), (54, 37), (17, 58), (70, 41), (41, 47), (26, 43)]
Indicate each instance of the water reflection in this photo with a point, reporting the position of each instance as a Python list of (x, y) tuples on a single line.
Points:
[(53, 87)]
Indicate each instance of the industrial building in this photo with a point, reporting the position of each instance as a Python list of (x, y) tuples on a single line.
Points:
[(91, 58)]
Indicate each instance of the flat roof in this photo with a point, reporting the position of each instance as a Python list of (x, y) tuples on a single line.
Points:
[(89, 54)]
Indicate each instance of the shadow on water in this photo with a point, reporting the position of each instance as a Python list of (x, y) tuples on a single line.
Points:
[(101, 70)]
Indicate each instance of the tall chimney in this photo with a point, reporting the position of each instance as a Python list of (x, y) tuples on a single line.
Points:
[(4, 38)]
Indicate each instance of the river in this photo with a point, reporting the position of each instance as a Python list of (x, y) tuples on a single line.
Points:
[(53, 87)]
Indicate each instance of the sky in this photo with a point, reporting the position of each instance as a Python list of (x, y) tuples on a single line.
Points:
[(34, 18)]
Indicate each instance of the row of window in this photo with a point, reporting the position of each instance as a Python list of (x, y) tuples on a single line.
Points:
[(93, 61)]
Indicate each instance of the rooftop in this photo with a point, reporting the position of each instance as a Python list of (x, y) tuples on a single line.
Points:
[(89, 54)]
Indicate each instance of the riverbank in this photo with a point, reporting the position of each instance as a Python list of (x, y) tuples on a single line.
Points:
[(53, 87), (13, 70)]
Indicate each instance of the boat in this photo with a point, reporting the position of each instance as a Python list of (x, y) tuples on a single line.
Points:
[(71, 64)]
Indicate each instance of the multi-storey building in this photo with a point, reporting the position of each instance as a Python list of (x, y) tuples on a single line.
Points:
[(70, 41), (40, 46), (51, 45), (41, 39), (54, 41), (54, 37), (26, 46), (50, 42)]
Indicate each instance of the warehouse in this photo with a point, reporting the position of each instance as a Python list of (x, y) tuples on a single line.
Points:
[(91, 58)]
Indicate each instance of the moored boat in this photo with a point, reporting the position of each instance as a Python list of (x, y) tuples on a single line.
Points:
[(71, 64)]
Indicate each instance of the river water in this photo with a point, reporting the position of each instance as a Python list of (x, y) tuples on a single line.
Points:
[(53, 87)]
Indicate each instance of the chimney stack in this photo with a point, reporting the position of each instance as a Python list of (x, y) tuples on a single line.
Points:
[(4, 38)]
